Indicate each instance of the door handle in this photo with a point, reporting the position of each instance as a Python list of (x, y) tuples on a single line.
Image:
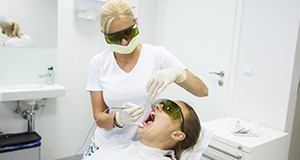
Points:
[(221, 73)]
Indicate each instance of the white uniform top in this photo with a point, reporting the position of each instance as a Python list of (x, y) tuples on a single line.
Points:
[(119, 87), (133, 150), (24, 41)]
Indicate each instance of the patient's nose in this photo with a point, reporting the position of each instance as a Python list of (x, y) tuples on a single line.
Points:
[(159, 107), (124, 42)]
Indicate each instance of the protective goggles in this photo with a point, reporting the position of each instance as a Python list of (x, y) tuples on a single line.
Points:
[(171, 109), (117, 37)]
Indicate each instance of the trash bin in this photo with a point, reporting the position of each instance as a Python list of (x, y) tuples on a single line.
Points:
[(25, 146)]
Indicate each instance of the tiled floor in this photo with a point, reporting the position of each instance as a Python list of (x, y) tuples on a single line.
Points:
[(78, 157)]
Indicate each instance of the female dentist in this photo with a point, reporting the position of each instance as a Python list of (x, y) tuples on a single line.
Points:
[(16, 38), (129, 75)]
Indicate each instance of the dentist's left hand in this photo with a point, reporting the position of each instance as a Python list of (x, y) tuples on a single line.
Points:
[(129, 114), (161, 79)]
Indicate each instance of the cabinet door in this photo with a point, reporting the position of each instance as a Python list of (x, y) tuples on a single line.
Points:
[(24, 154), (212, 154)]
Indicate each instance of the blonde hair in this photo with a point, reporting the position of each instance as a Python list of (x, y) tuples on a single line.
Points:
[(14, 26), (113, 9)]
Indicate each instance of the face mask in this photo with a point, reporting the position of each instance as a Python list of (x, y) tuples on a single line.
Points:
[(126, 49)]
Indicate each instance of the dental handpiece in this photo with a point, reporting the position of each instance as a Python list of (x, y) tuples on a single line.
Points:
[(121, 107), (117, 107)]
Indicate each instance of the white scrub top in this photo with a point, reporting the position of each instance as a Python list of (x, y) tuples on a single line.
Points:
[(24, 41), (119, 87), (133, 150)]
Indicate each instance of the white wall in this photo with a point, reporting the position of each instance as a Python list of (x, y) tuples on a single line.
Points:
[(268, 43), (294, 153), (293, 121)]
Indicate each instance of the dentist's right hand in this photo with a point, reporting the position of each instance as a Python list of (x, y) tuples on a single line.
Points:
[(129, 114)]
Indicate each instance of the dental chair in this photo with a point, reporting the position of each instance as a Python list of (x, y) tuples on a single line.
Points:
[(201, 145)]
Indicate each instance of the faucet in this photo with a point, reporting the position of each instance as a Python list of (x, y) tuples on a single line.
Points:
[(49, 76)]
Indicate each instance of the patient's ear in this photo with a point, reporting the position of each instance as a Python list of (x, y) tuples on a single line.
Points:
[(178, 135)]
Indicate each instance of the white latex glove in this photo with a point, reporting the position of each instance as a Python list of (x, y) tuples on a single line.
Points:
[(161, 79), (129, 114)]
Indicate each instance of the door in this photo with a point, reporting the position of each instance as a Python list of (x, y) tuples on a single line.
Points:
[(201, 34)]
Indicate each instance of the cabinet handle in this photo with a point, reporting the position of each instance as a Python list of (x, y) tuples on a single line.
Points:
[(227, 153)]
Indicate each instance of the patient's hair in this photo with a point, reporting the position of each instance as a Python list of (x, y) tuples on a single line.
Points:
[(192, 129), (113, 9), (14, 26)]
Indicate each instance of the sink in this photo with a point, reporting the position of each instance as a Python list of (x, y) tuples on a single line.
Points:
[(30, 92)]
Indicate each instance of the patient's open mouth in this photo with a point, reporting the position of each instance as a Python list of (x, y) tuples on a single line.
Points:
[(150, 118)]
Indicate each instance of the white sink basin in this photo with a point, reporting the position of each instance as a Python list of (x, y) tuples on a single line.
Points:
[(30, 92)]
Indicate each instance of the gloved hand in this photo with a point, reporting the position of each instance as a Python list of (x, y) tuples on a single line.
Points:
[(129, 114), (161, 79)]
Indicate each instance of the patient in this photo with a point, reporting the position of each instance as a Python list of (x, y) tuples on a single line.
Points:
[(170, 128)]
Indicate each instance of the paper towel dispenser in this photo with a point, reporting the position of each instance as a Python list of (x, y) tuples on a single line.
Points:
[(89, 9)]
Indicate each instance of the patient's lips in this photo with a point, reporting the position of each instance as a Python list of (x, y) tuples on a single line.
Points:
[(150, 119)]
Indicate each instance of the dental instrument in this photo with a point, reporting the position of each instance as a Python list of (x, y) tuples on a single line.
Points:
[(90, 131), (113, 107)]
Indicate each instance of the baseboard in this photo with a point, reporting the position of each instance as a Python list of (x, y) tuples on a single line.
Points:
[(77, 157)]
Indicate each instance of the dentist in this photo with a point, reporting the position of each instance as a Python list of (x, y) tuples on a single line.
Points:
[(16, 38), (129, 75)]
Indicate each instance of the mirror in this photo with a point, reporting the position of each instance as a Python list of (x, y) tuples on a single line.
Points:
[(36, 18)]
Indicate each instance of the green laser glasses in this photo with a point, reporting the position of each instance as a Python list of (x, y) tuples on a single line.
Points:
[(171, 109), (128, 34)]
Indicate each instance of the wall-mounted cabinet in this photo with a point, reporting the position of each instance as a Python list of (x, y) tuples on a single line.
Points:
[(89, 9)]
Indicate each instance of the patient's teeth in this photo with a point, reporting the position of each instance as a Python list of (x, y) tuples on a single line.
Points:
[(149, 122), (153, 116)]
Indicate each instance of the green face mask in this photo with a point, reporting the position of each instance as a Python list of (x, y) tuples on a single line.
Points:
[(126, 49)]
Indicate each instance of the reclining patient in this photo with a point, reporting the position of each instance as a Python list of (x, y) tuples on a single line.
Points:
[(171, 127)]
